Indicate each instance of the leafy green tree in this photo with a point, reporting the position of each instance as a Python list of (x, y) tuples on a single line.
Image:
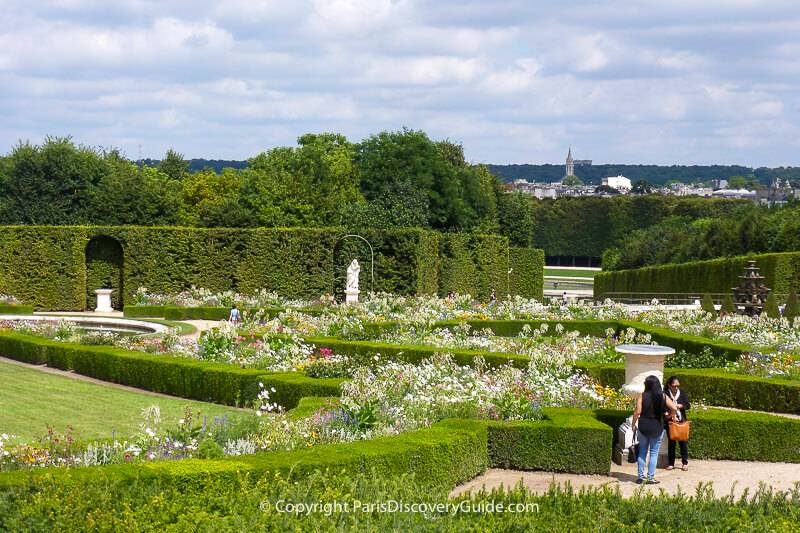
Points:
[(51, 183), (400, 206), (136, 196), (572, 181), (306, 185), (771, 306), (611, 258), (642, 187), (209, 199), (737, 182), (174, 165), (517, 218), (410, 158), (707, 304), (606, 189)]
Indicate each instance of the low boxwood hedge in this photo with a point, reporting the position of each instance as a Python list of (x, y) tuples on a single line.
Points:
[(567, 440), (177, 376), (149, 311), (597, 328), (733, 435), (366, 350), (439, 456), (16, 309), (717, 387)]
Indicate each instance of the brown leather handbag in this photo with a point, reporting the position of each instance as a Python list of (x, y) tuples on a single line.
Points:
[(679, 431)]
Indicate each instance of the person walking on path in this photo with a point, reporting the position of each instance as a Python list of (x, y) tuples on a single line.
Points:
[(234, 317), (681, 401), (648, 419)]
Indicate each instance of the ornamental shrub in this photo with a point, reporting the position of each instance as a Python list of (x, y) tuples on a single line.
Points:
[(771, 306), (792, 310), (707, 304), (727, 305)]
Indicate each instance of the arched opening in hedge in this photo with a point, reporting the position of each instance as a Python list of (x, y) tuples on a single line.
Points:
[(104, 270)]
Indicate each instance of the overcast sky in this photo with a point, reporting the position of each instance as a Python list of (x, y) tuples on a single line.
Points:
[(515, 81)]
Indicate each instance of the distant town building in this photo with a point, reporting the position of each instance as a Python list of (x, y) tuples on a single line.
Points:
[(620, 183), (719, 184), (682, 189), (734, 193), (570, 164), (582, 162)]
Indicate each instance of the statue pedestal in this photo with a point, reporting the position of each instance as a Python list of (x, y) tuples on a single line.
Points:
[(103, 301), (641, 360), (351, 296)]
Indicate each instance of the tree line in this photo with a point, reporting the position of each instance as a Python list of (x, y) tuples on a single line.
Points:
[(390, 179)]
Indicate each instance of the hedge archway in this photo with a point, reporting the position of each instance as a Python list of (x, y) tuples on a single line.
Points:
[(104, 270)]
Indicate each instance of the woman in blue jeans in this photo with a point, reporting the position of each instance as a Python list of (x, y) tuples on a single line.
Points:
[(648, 419)]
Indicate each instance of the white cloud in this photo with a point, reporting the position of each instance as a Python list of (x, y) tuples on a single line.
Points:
[(516, 81)]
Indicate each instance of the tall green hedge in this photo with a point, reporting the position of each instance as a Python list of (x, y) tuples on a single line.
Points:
[(781, 270), (58, 268), (527, 276), (473, 264)]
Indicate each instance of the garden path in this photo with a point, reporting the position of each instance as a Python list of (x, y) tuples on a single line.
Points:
[(727, 477), (201, 326)]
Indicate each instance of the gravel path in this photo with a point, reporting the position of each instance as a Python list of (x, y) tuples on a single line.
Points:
[(726, 477)]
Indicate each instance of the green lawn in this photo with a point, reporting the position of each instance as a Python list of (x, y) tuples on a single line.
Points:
[(30, 400), (554, 271)]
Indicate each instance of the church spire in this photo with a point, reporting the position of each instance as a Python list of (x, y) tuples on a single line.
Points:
[(570, 165)]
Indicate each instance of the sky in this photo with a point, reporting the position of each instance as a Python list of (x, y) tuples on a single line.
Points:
[(633, 81)]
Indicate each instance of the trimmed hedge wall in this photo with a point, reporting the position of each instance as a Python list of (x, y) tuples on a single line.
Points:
[(176, 376), (527, 276), (16, 309), (732, 435), (781, 270), (717, 386), (474, 264), (47, 267)]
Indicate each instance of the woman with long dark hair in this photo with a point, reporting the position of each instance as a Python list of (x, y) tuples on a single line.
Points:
[(648, 419), (681, 399)]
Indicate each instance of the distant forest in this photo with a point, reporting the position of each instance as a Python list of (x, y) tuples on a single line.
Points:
[(654, 174), (196, 165)]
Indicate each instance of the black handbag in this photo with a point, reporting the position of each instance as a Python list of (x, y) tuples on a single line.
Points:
[(633, 451)]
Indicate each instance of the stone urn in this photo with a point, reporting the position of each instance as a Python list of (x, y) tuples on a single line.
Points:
[(641, 360)]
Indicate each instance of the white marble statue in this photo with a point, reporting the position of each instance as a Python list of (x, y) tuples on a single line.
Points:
[(352, 275)]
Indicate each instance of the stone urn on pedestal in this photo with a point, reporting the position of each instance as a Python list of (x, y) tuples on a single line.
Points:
[(641, 360), (103, 301)]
